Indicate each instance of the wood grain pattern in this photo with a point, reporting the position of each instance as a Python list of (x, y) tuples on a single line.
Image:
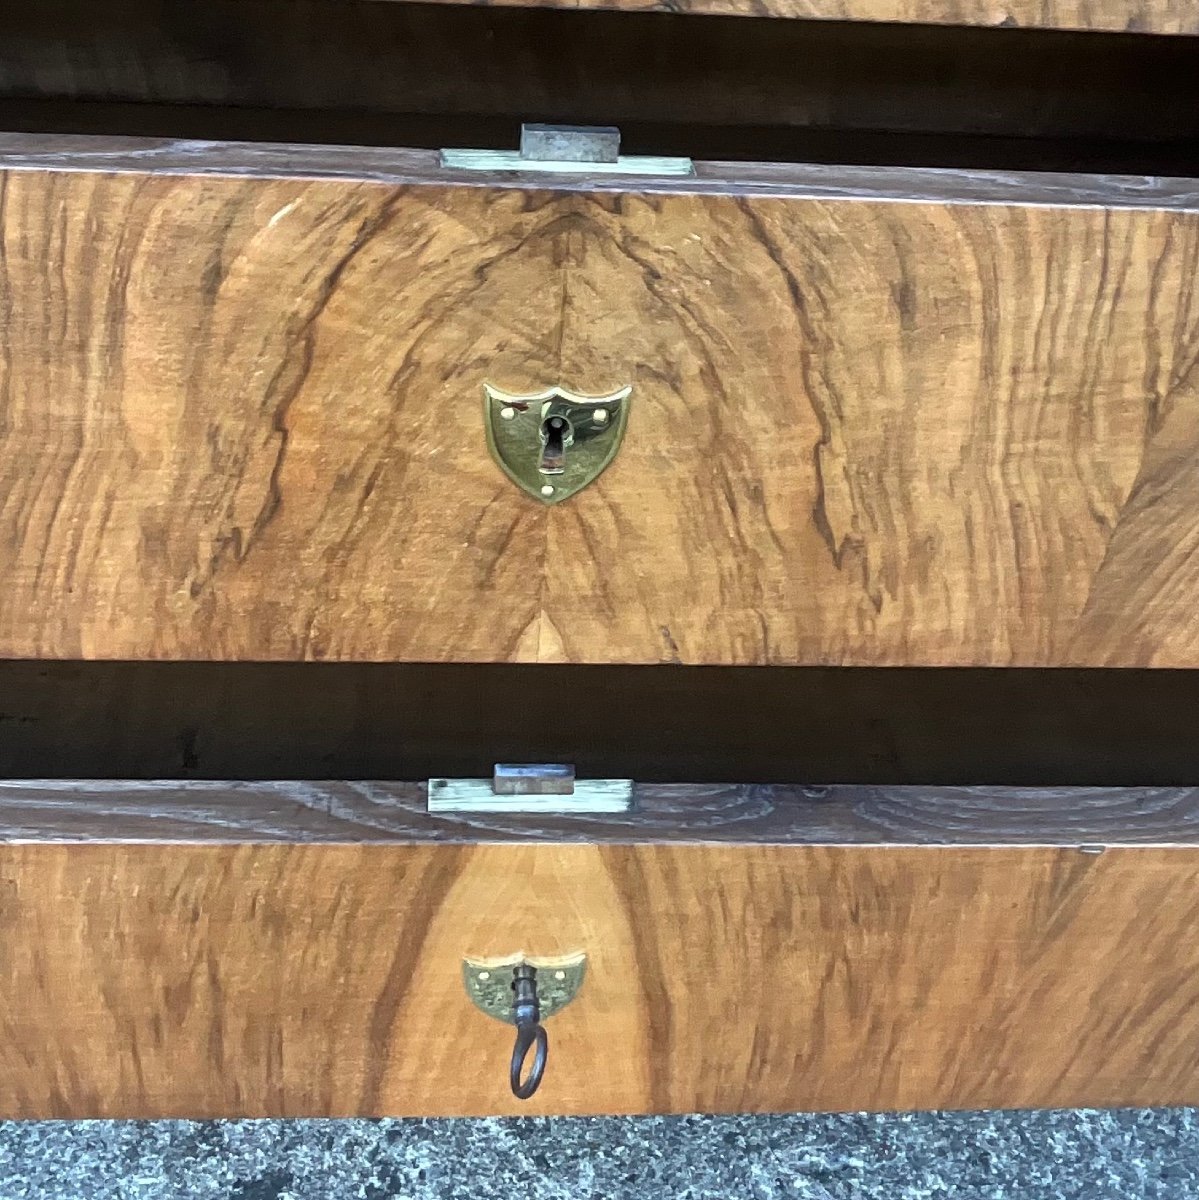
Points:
[(294, 980), (319, 443), (989, 397), (241, 422), (138, 156), (381, 812), (1132, 16)]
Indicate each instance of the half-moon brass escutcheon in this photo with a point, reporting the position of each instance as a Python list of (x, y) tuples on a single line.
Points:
[(524, 991), (552, 444), (489, 982)]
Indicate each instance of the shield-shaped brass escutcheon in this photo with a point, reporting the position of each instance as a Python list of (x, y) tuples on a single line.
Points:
[(552, 444), (489, 982)]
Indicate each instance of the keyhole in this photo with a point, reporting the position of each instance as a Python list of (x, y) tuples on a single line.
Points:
[(556, 436)]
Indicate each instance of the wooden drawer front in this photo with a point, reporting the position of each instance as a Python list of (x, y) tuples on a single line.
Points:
[(244, 980), (1142, 16), (241, 419)]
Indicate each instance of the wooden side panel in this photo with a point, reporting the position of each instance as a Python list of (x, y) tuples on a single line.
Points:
[(240, 419), (1134, 16), (156, 980)]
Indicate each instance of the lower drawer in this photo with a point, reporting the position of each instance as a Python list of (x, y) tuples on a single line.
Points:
[(268, 949)]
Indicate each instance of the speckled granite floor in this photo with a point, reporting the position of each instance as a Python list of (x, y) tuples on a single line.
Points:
[(1123, 1155)]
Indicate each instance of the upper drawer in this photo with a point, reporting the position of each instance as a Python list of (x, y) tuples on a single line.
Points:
[(878, 414), (876, 417), (1133, 16)]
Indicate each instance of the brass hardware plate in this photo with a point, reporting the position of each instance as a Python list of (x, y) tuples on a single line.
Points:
[(510, 160), (570, 143), (533, 779), (479, 795), (567, 150), (489, 982), (552, 444)]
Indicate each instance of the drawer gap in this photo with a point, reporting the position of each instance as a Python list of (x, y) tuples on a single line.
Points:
[(429, 76), (818, 725)]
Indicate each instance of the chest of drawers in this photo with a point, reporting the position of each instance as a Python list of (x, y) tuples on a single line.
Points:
[(876, 353)]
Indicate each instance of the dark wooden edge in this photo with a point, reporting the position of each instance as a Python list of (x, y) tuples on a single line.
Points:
[(406, 167), (197, 811)]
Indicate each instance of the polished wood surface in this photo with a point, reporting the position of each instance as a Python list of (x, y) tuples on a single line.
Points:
[(859, 442), (289, 980), (1132, 16), (251, 427), (241, 421)]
